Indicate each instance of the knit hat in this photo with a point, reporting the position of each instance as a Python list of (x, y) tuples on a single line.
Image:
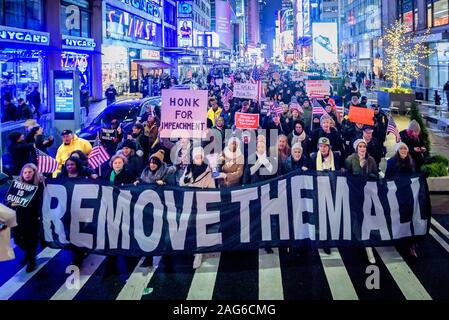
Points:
[(34, 130), (159, 155), (14, 136), (128, 143), (398, 145), (197, 151), (297, 145), (414, 126), (324, 117), (357, 142)]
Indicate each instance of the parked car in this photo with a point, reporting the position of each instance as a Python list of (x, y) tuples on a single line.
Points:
[(125, 111)]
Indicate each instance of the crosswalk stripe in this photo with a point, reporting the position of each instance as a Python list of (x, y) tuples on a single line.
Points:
[(337, 276), (270, 278), (90, 264), (203, 282), (138, 280), (22, 277), (440, 228), (440, 240), (409, 284)]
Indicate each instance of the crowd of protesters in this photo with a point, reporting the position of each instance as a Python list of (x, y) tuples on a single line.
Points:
[(305, 140)]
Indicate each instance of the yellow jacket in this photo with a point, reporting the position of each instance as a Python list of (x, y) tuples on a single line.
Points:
[(64, 151), (213, 115)]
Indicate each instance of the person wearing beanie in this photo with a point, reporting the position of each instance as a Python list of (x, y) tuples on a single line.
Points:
[(21, 152), (296, 161), (157, 171), (360, 163), (413, 139), (197, 175), (403, 164), (328, 131), (135, 163)]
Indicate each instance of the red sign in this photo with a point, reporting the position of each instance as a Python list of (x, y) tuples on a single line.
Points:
[(361, 115), (246, 120)]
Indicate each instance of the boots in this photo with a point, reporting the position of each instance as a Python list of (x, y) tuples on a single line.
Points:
[(370, 254), (31, 265), (327, 250), (197, 261)]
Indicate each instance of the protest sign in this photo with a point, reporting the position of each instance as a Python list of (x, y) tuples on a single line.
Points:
[(108, 134), (246, 120), (20, 193), (361, 115), (183, 113), (245, 90), (317, 88)]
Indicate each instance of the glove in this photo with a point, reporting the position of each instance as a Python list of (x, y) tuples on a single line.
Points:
[(222, 175)]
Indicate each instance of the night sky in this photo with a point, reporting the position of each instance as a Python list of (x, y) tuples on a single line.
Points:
[(268, 30)]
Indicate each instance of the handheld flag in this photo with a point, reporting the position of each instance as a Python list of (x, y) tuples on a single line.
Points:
[(393, 129), (97, 156), (45, 163)]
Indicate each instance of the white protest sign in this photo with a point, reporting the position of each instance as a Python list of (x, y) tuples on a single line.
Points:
[(317, 88), (183, 113), (245, 90)]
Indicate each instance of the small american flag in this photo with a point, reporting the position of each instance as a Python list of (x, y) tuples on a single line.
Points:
[(393, 129), (97, 157), (255, 75), (45, 163), (318, 110), (227, 95), (340, 110), (276, 109)]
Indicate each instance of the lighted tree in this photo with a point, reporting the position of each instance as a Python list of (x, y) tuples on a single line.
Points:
[(403, 54)]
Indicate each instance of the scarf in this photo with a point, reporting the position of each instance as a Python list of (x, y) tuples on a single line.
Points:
[(113, 175), (319, 161), (262, 160), (301, 137)]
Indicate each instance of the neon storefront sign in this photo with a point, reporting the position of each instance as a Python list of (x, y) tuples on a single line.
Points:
[(24, 36), (73, 61), (144, 5), (122, 25), (71, 42)]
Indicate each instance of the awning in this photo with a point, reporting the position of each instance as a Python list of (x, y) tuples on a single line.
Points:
[(153, 64)]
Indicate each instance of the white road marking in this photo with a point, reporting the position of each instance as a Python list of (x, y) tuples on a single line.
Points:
[(270, 277)]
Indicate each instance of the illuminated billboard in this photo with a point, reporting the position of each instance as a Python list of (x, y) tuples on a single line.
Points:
[(324, 35), (185, 33)]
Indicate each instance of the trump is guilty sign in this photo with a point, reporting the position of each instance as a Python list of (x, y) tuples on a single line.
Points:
[(183, 113)]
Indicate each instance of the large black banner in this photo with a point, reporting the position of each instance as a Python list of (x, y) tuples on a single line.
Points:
[(328, 209)]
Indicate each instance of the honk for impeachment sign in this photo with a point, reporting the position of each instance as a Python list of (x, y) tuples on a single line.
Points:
[(183, 113), (245, 90), (150, 219)]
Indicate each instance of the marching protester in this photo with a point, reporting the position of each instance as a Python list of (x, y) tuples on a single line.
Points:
[(197, 175), (157, 171), (134, 160), (296, 161), (27, 231), (233, 162), (413, 139), (119, 175), (36, 136), (21, 151), (325, 159), (400, 164)]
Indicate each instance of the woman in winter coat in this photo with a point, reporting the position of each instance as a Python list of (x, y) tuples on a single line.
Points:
[(298, 134), (157, 171), (118, 175), (413, 139), (402, 164), (328, 131), (73, 168), (233, 163), (296, 161), (26, 234), (197, 175), (135, 162), (259, 166), (360, 163)]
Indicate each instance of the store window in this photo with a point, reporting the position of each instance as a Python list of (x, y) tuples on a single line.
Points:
[(25, 14), (408, 13), (170, 13), (440, 12)]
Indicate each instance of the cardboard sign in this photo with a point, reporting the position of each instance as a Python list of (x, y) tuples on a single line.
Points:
[(246, 120), (21, 193), (318, 88), (361, 115), (245, 90), (183, 113), (108, 134)]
